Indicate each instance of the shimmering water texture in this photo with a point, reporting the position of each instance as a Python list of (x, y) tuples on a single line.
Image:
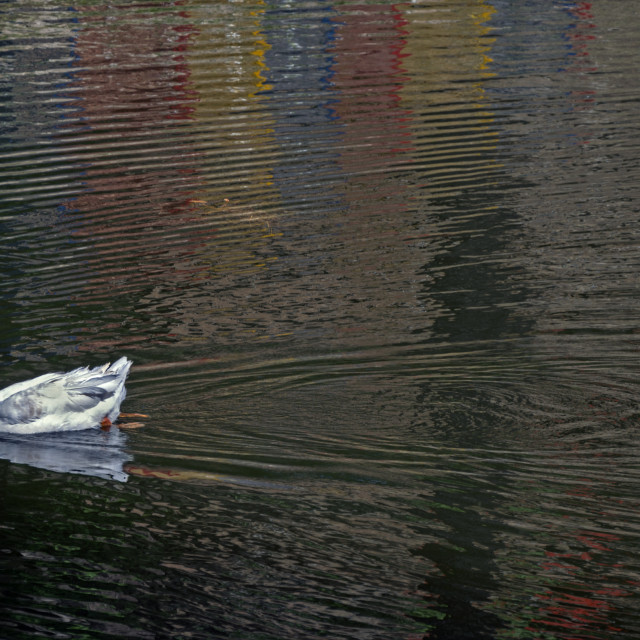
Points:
[(377, 268)]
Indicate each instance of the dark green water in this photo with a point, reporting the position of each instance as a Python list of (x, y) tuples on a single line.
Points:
[(377, 268)]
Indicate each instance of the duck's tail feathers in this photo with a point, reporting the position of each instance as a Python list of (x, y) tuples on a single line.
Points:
[(108, 378), (119, 367), (89, 387)]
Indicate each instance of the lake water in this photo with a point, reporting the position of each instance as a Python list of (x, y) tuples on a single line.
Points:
[(377, 266)]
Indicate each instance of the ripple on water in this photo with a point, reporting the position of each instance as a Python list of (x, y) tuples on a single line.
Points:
[(376, 268)]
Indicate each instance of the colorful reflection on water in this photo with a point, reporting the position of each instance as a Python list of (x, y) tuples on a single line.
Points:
[(376, 267)]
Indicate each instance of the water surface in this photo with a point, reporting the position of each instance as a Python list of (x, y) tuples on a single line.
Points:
[(376, 266)]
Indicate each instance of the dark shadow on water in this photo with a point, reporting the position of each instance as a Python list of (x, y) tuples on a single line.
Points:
[(477, 298), (465, 622)]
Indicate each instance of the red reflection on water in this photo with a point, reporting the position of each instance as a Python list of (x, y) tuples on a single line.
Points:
[(132, 85), (571, 608), (368, 53), (375, 139), (580, 35)]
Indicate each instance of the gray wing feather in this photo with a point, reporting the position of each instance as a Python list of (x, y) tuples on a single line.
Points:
[(21, 407)]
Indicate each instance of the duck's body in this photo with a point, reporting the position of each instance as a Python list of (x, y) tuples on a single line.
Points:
[(79, 399)]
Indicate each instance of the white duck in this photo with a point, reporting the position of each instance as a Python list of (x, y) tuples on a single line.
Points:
[(79, 399)]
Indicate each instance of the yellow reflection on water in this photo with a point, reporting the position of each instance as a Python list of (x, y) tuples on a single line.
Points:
[(445, 90)]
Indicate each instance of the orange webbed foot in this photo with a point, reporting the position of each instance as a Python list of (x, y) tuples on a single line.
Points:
[(131, 425)]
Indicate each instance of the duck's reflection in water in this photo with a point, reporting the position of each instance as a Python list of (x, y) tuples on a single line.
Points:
[(91, 452)]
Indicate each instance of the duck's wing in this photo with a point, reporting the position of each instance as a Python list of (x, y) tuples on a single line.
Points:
[(27, 384), (86, 396), (27, 401)]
